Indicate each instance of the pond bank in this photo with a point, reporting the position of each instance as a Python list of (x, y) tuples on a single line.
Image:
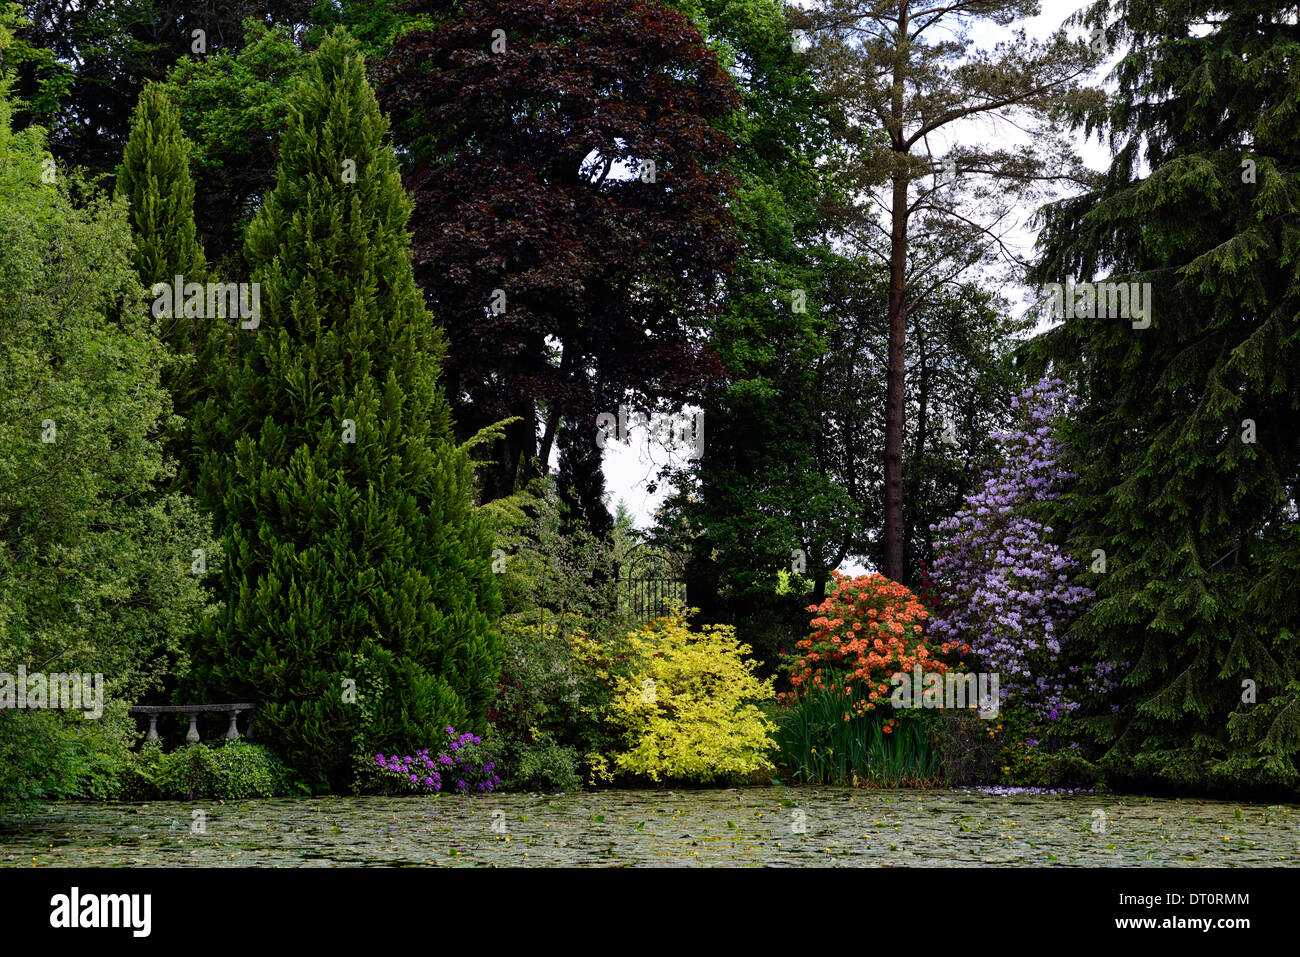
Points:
[(780, 826)]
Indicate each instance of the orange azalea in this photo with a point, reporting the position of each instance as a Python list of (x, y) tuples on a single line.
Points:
[(853, 656)]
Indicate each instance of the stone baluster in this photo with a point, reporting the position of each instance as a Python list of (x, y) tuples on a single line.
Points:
[(192, 735), (153, 728), (232, 733)]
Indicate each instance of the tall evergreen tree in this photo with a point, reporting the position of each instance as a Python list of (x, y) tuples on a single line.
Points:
[(909, 73), (1188, 441), (354, 553), (155, 181)]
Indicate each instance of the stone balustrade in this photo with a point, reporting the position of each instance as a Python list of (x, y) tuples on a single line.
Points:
[(192, 711)]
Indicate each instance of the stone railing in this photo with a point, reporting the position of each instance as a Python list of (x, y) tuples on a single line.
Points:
[(193, 711)]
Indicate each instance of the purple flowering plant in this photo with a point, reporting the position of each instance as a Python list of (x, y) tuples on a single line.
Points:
[(1007, 587), (459, 765)]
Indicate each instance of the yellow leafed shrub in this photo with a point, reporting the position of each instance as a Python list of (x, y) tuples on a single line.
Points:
[(686, 708)]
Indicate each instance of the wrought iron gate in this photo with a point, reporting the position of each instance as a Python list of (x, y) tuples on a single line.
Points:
[(651, 582)]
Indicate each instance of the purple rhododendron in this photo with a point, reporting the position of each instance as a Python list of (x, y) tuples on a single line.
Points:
[(1007, 589), (473, 776)]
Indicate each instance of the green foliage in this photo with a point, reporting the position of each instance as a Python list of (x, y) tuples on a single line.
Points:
[(548, 709), (545, 765), (81, 66), (154, 181), (231, 771), (89, 546), (234, 106), (758, 493), (547, 565), (1187, 441), (1015, 749), (52, 755), (340, 550), (817, 746)]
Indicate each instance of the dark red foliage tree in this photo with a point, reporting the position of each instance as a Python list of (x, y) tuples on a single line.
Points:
[(568, 153)]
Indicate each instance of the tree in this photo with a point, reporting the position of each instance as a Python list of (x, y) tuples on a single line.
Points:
[(101, 54), (570, 214), (360, 594), (95, 553), (793, 477), (906, 72), (736, 505), (1187, 442), (233, 106), (154, 180)]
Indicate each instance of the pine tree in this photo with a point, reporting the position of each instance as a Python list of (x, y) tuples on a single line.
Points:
[(1188, 440), (154, 179), (908, 75), (355, 558)]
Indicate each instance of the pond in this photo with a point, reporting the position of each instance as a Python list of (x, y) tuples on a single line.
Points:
[(776, 826)]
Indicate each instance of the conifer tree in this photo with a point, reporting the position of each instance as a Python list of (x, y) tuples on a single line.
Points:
[(1188, 440), (360, 596), (155, 181)]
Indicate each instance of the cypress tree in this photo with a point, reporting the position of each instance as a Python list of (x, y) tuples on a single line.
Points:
[(154, 180), (1188, 440), (360, 598)]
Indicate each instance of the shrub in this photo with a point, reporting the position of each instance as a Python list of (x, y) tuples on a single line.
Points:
[(550, 706), (231, 771), (462, 765), (866, 631), (54, 755), (1006, 586), (545, 765), (840, 729), (686, 707)]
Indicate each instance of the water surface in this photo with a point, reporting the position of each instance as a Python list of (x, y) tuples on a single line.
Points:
[(772, 826)]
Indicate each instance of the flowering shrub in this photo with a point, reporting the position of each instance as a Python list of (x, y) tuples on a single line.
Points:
[(867, 630), (459, 767), (1006, 587), (841, 728), (686, 707)]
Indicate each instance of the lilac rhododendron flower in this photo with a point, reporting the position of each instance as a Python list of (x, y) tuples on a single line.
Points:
[(1006, 585)]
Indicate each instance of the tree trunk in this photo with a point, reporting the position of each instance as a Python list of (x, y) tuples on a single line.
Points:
[(897, 320), (894, 385)]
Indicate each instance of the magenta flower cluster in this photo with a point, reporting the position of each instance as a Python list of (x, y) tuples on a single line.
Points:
[(1007, 588), (455, 767)]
